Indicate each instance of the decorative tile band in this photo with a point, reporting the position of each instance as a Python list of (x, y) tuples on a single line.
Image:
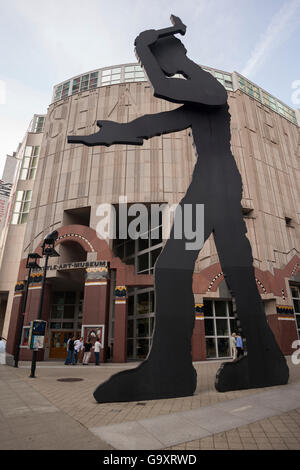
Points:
[(261, 285), (285, 312), (35, 278), (295, 269), (97, 273), (76, 235), (286, 318), (199, 311), (20, 286), (214, 280), (95, 283), (120, 294)]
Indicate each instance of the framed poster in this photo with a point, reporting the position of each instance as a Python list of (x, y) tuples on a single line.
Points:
[(37, 334), (92, 331), (25, 337)]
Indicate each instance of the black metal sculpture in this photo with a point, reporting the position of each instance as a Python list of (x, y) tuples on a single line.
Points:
[(168, 370)]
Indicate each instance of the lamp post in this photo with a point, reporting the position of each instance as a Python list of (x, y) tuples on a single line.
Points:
[(31, 263), (47, 251)]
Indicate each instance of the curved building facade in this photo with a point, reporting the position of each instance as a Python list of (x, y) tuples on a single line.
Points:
[(106, 287)]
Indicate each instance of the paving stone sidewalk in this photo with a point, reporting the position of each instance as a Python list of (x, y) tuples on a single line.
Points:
[(75, 401), (281, 432), (28, 421)]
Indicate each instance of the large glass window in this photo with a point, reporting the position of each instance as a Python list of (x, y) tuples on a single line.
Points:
[(220, 323), (38, 124), (21, 207), (222, 77), (66, 310), (249, 88), (111, 76), (62, 91), (143, 252), (85, 82), (296, 301), (140, 323), (29, 163)]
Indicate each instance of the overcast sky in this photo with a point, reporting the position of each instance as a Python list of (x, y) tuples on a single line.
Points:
[(43, 43)]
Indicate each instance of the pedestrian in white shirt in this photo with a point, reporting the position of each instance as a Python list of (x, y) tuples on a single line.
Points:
[(2, 351), (97, 349), (78, 346)]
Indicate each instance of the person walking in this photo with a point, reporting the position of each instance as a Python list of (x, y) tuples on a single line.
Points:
[(233, 346), (239, 346), (2, 351), (78, 346), (97, 349), (87, 352), (70, 347)]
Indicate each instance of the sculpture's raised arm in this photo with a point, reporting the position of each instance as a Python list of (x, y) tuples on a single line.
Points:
[(163, 55)]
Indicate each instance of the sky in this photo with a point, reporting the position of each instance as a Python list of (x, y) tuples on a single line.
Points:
[(43, 43)]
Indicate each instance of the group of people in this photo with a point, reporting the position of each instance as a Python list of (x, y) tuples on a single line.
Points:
[(237, 346), (76, 346)]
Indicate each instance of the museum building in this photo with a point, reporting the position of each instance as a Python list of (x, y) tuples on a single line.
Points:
[(106, 287)]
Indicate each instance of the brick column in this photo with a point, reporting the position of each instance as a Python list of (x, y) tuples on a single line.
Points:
[(96, 303), (15, 319), (120, 330), (198, 338), (283, 324)]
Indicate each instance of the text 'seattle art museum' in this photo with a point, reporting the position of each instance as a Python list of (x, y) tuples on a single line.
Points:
[(107, 285)]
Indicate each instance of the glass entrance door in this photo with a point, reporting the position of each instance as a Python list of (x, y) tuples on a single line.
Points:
[(58, 344), (219, 322), (65, 320), (140, 323)]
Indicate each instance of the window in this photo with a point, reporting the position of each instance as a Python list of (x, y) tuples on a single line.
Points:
[(140, 323), (38, 124), (296, 301), (249, 88), (144, 251), (269, 101), (66, 310), (287, 112), (223, 78), (62, 91), (85, 82), (21, 207), (29, 163), (219, 322), (111, 76)]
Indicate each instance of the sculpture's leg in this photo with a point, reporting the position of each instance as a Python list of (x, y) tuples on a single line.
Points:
[(264, 365), (168, 370)]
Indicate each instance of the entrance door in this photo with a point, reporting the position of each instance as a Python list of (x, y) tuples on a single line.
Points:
[(58, 344)]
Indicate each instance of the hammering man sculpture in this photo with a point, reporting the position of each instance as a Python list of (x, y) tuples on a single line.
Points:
[(168, 370)]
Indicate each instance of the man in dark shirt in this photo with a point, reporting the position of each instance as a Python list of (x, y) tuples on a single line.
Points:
[(70, 356)]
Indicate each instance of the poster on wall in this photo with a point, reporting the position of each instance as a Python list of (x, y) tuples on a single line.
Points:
[(25, 337), (93, 331)]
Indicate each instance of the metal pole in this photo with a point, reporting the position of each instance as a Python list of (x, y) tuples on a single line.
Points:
[(17, 353), (34, 354)]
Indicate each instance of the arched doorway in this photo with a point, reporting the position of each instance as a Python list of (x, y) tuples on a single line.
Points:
[(66, 299)]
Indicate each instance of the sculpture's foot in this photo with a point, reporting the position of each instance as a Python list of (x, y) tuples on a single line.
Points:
[(149, 381), (237, 375)]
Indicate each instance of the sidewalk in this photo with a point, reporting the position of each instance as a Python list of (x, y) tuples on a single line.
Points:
[(29, 421), (242, 419)]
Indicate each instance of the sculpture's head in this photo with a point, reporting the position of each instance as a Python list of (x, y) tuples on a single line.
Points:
[(170, 53)]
